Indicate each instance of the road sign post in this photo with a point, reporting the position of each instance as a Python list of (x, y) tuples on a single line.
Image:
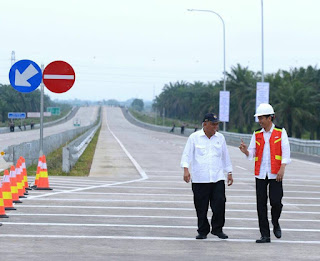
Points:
[(41, 116)]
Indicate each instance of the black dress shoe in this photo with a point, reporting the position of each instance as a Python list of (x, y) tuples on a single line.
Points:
[(199, 236), (263, 240), (220, 235), (277, 231)]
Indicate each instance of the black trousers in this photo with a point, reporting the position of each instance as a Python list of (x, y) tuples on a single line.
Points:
[(213, 194), (275, 195)]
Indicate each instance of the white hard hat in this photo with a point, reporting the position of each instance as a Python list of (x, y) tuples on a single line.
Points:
[(264, 109)]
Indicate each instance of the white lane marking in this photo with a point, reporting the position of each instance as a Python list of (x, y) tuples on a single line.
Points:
[(242, 179), (58, 77), (81, 189), (134, 162), (160, 201), (176, 195), (61, 183), (77, 180), (151, 217), (62, 187), (241, 168), (306, 162), (143, 226), (188, 188), (156, 238), (165, 171), (157, 208)]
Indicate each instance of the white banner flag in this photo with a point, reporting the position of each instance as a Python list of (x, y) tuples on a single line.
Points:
[(224, 105), (262, 94)]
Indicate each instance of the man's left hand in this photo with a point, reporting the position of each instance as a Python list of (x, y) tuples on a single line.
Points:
[(280, 173), (230, 179)]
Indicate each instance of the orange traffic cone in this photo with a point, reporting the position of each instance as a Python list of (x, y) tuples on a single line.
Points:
[(24, 171), (43, 176), (13, 184), (20, 186), (36, 181), (6, 191), (2, 211)]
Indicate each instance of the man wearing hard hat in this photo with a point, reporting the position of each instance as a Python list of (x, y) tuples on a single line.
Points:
[(270, 148)]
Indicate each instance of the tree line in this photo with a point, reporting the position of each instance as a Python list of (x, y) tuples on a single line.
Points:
[(14, 101), (294, 94)]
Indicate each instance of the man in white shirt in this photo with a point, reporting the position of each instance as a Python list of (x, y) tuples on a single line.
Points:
[(270, 148), (204, 159)]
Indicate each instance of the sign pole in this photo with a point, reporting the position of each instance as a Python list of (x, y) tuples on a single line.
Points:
[(41, 115)]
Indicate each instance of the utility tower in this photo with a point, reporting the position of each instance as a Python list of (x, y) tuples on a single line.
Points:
[(13, 57)]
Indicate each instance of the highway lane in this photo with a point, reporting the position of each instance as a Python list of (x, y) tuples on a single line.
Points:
[(85, 115), (149, 215)]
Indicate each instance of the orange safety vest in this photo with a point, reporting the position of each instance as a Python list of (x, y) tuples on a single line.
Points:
[(275, 150)]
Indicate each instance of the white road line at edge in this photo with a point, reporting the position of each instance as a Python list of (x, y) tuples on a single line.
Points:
[(156, 238), (81, 189), (135, 163), (143, 226), (241, 168)]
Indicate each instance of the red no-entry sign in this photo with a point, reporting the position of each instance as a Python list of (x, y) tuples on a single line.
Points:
[(58, 76)]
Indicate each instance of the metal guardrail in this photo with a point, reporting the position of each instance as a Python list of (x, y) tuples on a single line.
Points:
[(72, 152), (30, 150), (305, 147)]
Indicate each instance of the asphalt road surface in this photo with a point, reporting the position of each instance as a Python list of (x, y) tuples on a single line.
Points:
[(136, 206)]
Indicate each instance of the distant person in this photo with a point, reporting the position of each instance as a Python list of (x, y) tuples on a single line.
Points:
[(24, 125), (11, 126), (269, 148), (19, 126), (172, 129), (196, 129), (31, 125), (205, 159), (182, 128)]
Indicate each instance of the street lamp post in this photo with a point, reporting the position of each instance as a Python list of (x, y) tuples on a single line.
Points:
[(224, 49), (262, 45)]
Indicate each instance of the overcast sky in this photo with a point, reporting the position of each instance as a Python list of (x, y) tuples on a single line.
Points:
[(123, 49)]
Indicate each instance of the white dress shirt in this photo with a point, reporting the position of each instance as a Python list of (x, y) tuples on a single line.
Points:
[(265, 168), (207, 158)]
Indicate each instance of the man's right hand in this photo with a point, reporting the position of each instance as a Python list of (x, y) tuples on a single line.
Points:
[(244, 148), (186, 175)]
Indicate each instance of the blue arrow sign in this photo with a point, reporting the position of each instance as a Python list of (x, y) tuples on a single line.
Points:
[(16, 115), (25, 76)]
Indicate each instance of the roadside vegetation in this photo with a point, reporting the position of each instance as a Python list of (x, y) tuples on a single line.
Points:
[(294, 94), (14, 101)]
